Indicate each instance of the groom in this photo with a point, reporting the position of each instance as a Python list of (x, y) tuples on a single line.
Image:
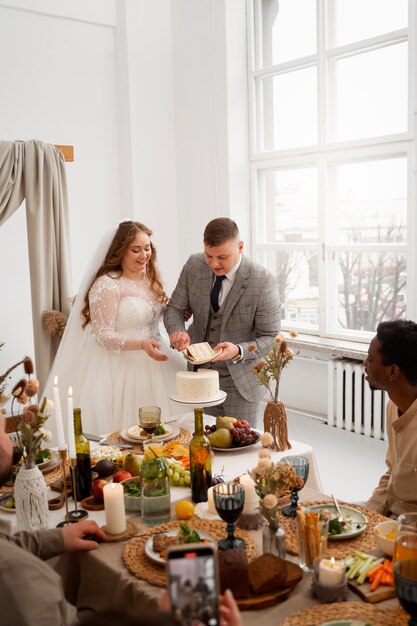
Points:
[(234, 303)]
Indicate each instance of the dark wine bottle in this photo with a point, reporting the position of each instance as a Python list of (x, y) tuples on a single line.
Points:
[(200, 460), (83, 468)]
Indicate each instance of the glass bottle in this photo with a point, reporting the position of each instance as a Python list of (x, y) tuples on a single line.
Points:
[(200, 460), (83, 468), (156, 496)]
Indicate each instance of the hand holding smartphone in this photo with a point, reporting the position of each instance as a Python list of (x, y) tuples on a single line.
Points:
[(193, 584)]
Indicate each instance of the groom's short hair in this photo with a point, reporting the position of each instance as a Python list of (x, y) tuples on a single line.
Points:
[(220, 230)]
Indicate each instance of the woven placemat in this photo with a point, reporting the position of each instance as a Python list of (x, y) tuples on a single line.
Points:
[(50, 477), (317, 615), (342, 548), (184, 436), (141, 566)]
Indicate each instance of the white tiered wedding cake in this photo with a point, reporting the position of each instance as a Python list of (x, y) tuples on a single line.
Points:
[(199, 386)]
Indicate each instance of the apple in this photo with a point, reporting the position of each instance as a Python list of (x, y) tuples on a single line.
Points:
[(97, 489), (120, 475)]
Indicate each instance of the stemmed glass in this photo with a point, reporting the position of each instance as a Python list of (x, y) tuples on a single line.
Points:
[(149, 419), (301, 467), (229, 499), (405, 576)]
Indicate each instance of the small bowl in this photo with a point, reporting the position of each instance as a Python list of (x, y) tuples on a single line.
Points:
[(132, 503), (380, 534)]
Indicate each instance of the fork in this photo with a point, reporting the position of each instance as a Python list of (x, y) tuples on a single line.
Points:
[(340, 518)]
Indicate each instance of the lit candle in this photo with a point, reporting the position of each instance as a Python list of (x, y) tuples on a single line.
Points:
[(58, 416), (71, 436), (114, 508), (251, 497), (331, 572), (210, 501)]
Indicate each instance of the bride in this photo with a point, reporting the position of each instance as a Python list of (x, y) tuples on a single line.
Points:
[(112, 353)]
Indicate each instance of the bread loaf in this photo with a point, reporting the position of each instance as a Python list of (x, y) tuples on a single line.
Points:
[(233, 572), (267, 573)]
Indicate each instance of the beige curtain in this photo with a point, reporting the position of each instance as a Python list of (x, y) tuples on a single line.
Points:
[(35, 172)]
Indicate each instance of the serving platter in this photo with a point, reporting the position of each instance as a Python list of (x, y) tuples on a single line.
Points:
[(218, 399), (172, 429), (157, 558), (239, 448), (359, 521)]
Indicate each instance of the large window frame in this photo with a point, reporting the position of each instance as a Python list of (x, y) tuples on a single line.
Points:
[(324, 156)]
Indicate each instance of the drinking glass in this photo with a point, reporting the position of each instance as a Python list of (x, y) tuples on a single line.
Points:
[(301, 467), (229, 499), (149, 419), (405, 547), (405, 577)]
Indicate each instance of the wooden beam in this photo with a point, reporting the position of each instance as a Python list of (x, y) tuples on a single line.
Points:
[(67, 151)]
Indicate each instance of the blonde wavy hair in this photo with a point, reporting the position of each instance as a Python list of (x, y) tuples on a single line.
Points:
[(124, 237)]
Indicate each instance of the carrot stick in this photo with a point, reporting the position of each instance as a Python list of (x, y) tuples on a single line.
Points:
[(377, 580)]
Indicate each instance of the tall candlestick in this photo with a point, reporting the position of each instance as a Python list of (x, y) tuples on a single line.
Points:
[(58, 416), (71, 436), (251, 497), (114, 508)]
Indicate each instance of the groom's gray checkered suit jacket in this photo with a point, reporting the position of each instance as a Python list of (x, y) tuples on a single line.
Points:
[(250, 314)]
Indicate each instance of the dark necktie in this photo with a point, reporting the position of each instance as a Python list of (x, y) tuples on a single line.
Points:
[(214, 296)]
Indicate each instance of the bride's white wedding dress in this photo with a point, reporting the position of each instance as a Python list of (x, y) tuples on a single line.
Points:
[(110, 384)]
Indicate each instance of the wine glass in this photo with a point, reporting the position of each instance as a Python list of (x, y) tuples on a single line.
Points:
[(229, 499), (301, 467), (149, 419), (405, 576), (405, 547)]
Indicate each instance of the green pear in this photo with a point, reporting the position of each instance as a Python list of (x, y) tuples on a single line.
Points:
[(132, 464), (221, 438), (223, 422)]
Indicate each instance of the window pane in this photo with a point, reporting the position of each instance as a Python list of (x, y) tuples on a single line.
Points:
[(372, 201), (290, 110), (297, 276), (358, 19), (371, 287), (278, 20), (291, 205), (371, 94)]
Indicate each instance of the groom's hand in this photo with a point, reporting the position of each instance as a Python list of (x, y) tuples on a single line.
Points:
[(179, 340), (228, 351)]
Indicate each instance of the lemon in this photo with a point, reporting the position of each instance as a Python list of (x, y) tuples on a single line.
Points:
[(184, 509)]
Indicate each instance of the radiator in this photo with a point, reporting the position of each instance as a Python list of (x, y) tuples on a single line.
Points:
[(352, 405)]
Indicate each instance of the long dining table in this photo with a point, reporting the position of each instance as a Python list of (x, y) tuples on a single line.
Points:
[(99, 581)]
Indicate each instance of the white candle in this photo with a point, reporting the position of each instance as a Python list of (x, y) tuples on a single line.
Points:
[(251, 497), (71, 435), (114, 508), (210, 501), (331, 572), (58, 416)]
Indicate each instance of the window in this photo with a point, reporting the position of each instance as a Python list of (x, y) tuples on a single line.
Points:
[(333, 149)]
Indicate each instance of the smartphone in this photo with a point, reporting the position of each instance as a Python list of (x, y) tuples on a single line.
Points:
[(193, 583)]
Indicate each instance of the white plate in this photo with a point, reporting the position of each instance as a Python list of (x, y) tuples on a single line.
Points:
[(238, 448), (45, 463), (156, 557), (202, 361), (135, 430), (359, 520), (221, 397), (3, 499), (173, 432)]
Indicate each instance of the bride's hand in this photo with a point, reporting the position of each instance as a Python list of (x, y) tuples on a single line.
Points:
[(151, 347)]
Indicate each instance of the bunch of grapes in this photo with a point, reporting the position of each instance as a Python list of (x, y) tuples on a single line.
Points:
[(243, 437), (178, 475), (209, 429)]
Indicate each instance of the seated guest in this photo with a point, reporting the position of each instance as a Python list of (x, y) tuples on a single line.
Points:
[(391, 365)]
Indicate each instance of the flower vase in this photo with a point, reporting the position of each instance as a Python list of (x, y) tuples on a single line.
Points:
[(275, 423), (273, 541), (31, 499)]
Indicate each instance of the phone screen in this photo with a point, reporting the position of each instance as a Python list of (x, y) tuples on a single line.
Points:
[(192, 582)]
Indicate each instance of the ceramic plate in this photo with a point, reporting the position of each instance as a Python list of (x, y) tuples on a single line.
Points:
[(52, 464), (4, 499), (135, 432), (221, 396), (173, 431), (238, 448), (157, 558), (201, 361), (46, 461), (359, 520)]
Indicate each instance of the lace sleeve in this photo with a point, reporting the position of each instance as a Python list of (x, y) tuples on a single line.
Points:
[(104, 300)]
